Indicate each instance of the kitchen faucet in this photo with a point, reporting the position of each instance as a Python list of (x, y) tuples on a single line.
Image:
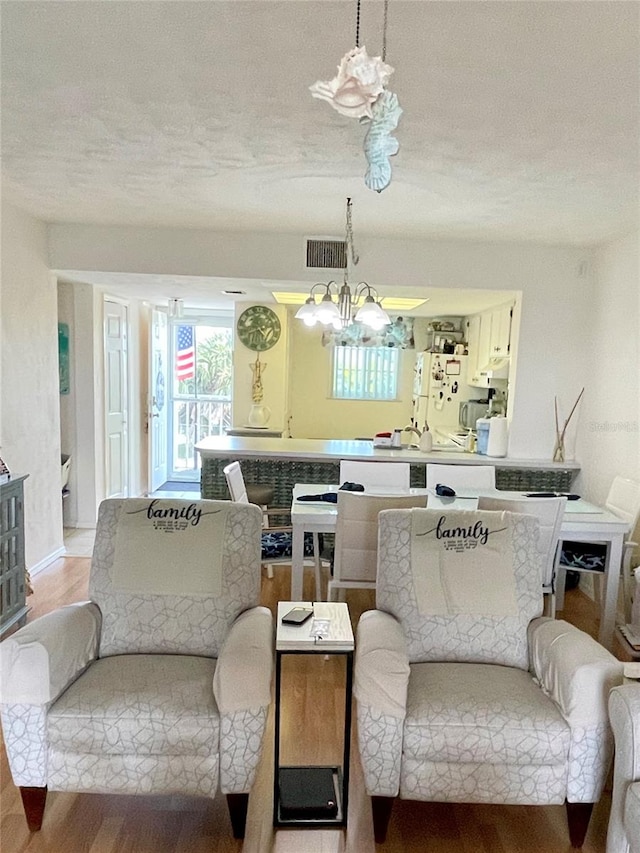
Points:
[(412, 428)]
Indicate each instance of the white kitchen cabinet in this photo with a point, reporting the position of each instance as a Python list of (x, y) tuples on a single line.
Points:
[(488, 336), (473, 339), (501, 331), (479, 344)]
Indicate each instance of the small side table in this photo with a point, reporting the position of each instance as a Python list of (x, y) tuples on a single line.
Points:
[(309, 806)]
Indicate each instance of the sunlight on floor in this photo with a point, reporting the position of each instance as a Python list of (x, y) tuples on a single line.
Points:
[(78, 541)]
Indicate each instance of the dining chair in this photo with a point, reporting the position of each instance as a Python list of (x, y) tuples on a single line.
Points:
[(623, 501), (377, 476), (160, 683), (276, 541), (242, 492), (356, 538), (461, 476), (464, 692), (549, 512)]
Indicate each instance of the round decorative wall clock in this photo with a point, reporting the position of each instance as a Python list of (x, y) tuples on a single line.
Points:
[(259, 328)]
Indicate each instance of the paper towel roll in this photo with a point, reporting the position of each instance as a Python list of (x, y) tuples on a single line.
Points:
[(497, 445)]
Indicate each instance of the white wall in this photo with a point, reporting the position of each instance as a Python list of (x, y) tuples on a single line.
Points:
[(609, 437), (556, 283), (80, 307), (29, 390)]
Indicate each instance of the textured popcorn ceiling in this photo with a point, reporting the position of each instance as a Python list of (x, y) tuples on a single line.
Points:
[(520, 118)]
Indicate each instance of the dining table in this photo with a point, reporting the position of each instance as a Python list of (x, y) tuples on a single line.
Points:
[(582, 522)]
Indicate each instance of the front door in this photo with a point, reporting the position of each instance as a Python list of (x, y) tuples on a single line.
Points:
[(116, 400), (158, 408)]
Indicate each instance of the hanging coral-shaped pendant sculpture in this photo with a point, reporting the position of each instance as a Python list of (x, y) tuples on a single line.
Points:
[(360, 79), (379, 145)]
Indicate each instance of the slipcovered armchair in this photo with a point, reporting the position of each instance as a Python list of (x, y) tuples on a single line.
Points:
[(160, 684), (464, 694), (624, 822)]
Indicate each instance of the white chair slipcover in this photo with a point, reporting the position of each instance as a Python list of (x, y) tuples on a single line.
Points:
[(624, 821), (161, 682), (464, 694)]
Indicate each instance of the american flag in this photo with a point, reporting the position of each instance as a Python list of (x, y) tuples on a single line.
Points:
[(185, 354)]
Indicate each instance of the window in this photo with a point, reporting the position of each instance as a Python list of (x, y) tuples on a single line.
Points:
[(365, 373)]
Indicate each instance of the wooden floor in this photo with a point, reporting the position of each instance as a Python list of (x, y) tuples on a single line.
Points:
[(96, 823)]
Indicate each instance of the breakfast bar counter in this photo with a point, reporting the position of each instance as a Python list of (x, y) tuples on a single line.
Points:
[(282, 462)]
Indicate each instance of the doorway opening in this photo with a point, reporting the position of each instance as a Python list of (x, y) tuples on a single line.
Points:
[(200, 390)]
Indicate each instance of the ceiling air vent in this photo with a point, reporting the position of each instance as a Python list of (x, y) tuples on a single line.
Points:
[(326, 254)]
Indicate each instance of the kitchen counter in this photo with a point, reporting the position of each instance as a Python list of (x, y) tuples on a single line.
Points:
[(238, 447), (284, 461)]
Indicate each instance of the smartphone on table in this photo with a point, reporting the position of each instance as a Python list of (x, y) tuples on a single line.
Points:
[(297, 616)]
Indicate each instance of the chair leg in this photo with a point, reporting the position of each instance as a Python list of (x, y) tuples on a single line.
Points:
[(316, 566), (237, 805), (550, 605), (561, 576), (33, 800), (381, 809), (578, 817)]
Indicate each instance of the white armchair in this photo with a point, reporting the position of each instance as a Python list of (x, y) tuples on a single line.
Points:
[(624, 822), (160, 683), (464, 694)]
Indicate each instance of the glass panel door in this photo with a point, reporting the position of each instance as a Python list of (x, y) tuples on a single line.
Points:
[(202, 355)]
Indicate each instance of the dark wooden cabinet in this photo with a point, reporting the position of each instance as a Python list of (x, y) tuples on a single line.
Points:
[(13, 607)]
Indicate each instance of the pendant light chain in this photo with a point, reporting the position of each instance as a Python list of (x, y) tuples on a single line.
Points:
[(384, 27), (384, 31), (349, 236)]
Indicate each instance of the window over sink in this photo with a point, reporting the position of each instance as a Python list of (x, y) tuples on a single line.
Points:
[(365, 373)]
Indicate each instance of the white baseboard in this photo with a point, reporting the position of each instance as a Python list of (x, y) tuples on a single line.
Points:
[(46, 561)]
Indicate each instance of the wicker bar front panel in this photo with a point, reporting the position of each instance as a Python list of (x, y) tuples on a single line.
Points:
[(283, 474)]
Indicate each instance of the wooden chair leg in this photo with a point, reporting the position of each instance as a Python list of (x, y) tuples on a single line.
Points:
[(578, 817), (381, 808), (33, 800), (237, 805)]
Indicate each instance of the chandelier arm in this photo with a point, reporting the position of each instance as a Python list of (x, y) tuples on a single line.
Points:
[(360, 289), (326, 285)]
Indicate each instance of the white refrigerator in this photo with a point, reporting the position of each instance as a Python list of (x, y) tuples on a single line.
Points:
[(439, 386)]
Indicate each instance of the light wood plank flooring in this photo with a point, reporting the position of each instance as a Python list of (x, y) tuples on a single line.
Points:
[(96, 823)]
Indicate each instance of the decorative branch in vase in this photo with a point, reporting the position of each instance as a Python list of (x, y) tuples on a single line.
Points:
[(559, 450)]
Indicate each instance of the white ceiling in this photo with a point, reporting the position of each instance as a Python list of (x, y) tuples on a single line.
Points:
[(520, 122)]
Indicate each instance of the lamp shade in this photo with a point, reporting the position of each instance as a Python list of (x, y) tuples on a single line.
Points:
[(307, 312), (371, 314), (327, 311)]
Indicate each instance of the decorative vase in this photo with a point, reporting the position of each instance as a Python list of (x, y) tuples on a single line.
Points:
[(259, 415), (558, 451)]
